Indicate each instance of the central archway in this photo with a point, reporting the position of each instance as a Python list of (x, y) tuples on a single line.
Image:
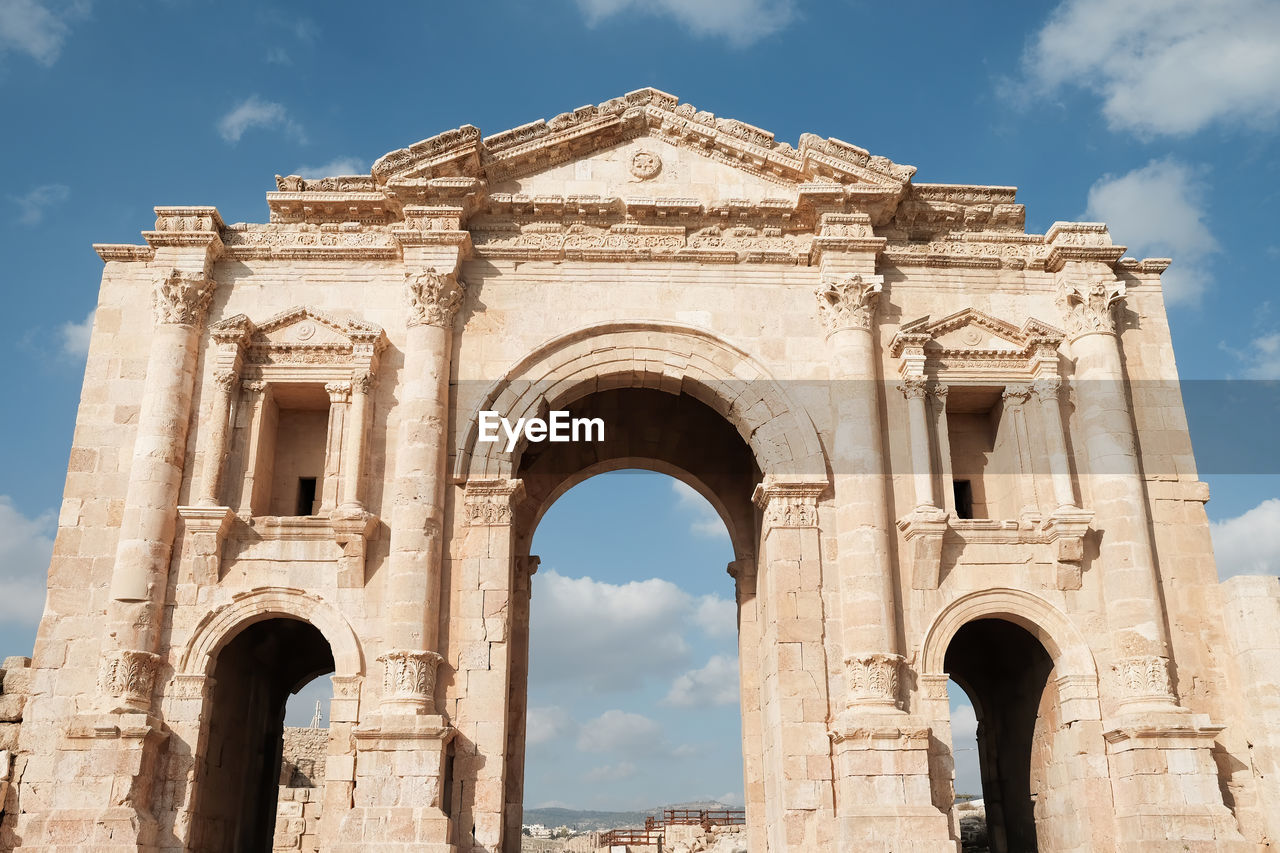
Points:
[(676, 400)]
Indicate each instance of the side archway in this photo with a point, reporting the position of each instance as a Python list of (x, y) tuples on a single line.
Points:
[(218, 628)]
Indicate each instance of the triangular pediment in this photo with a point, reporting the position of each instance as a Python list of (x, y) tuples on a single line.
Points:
[(305, 326), (973, 331), (604, 140)]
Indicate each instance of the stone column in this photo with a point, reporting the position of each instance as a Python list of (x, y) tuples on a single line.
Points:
[(913, 388), (335, 437), (138, 579), (226, 383), (1046, 391), (417, 513), (743, 572), (798, 789), (1015, 400), (869, 615), (1160, 755), (518, 699), (938, 411), (353, 442)]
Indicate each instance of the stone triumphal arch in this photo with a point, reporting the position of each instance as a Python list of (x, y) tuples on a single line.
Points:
[(944, 449)]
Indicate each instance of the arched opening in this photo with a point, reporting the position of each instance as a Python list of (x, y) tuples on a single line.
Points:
[(1003, 670), (654, 714), (238, 781)]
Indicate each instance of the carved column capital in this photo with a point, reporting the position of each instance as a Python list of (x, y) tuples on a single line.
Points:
[(1016, 396), (339, 392), (182, 298), (129, 675), (362, 382), (849, 302), (789, 504), (490, 502), (409, 677), (1143, 678), (1090, 305), (1047, 388), (226, 379), (434, 298), (873, 678), (913, 387)]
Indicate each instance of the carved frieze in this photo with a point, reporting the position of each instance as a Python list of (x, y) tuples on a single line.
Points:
[(789, 504), (299, 242), (1143, 677), (491, 502)]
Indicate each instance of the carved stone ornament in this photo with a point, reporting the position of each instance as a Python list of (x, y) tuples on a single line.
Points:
[(434, 298), (913, 387), (129, 675), (182, 298), (848, 303), (226, 379), (1016, 396), (1143, 677), (490, 502), (789, 504), (1090, 306), (645, 164), (409, 674), (1047, 389), (873, 678)]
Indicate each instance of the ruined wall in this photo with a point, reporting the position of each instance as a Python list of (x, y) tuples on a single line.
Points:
[(15, 685)]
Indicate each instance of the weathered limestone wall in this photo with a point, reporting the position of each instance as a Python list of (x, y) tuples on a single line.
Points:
[(15, 686)]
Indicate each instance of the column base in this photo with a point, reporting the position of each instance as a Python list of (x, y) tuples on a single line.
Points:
[(884, 789), (1165, 784), (399, 774)]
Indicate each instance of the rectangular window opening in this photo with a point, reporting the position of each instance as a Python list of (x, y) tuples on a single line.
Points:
[(306, 496), (964, 498)]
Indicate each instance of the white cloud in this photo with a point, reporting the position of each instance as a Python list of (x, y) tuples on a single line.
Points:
[(38, 28), (26, 546), (75, 336), (1261, 358), (620, 731), (717, 617), (255, 112), (714, 684), (1158, 211), (334, 168), (611, 772), (278, 56), (1165, 66), (36, 203), (734, 799), (741, 22), (1249, 544), (606, 635), (546, 724), (964, 740), (609, 637), (703, 518)]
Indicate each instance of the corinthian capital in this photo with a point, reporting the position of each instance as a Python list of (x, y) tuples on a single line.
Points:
[(434, 298), (848, 303), (1090, 305), (182, 298)]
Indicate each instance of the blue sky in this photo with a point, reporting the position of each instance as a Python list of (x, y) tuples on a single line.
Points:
[(1159, 116)]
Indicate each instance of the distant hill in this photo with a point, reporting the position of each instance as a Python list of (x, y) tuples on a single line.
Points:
[(593, 820)]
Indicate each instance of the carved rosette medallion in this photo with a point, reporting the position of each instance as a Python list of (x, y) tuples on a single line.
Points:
[(848, 303), (1143, 677), (872, 678), (490, 502), (409, 675), (434, 298), (182, 298), (645, 164), (1090, 306), (789, 504), (129, 675)]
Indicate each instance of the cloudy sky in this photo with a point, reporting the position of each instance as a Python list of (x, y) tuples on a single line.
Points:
[(1158, 116)]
